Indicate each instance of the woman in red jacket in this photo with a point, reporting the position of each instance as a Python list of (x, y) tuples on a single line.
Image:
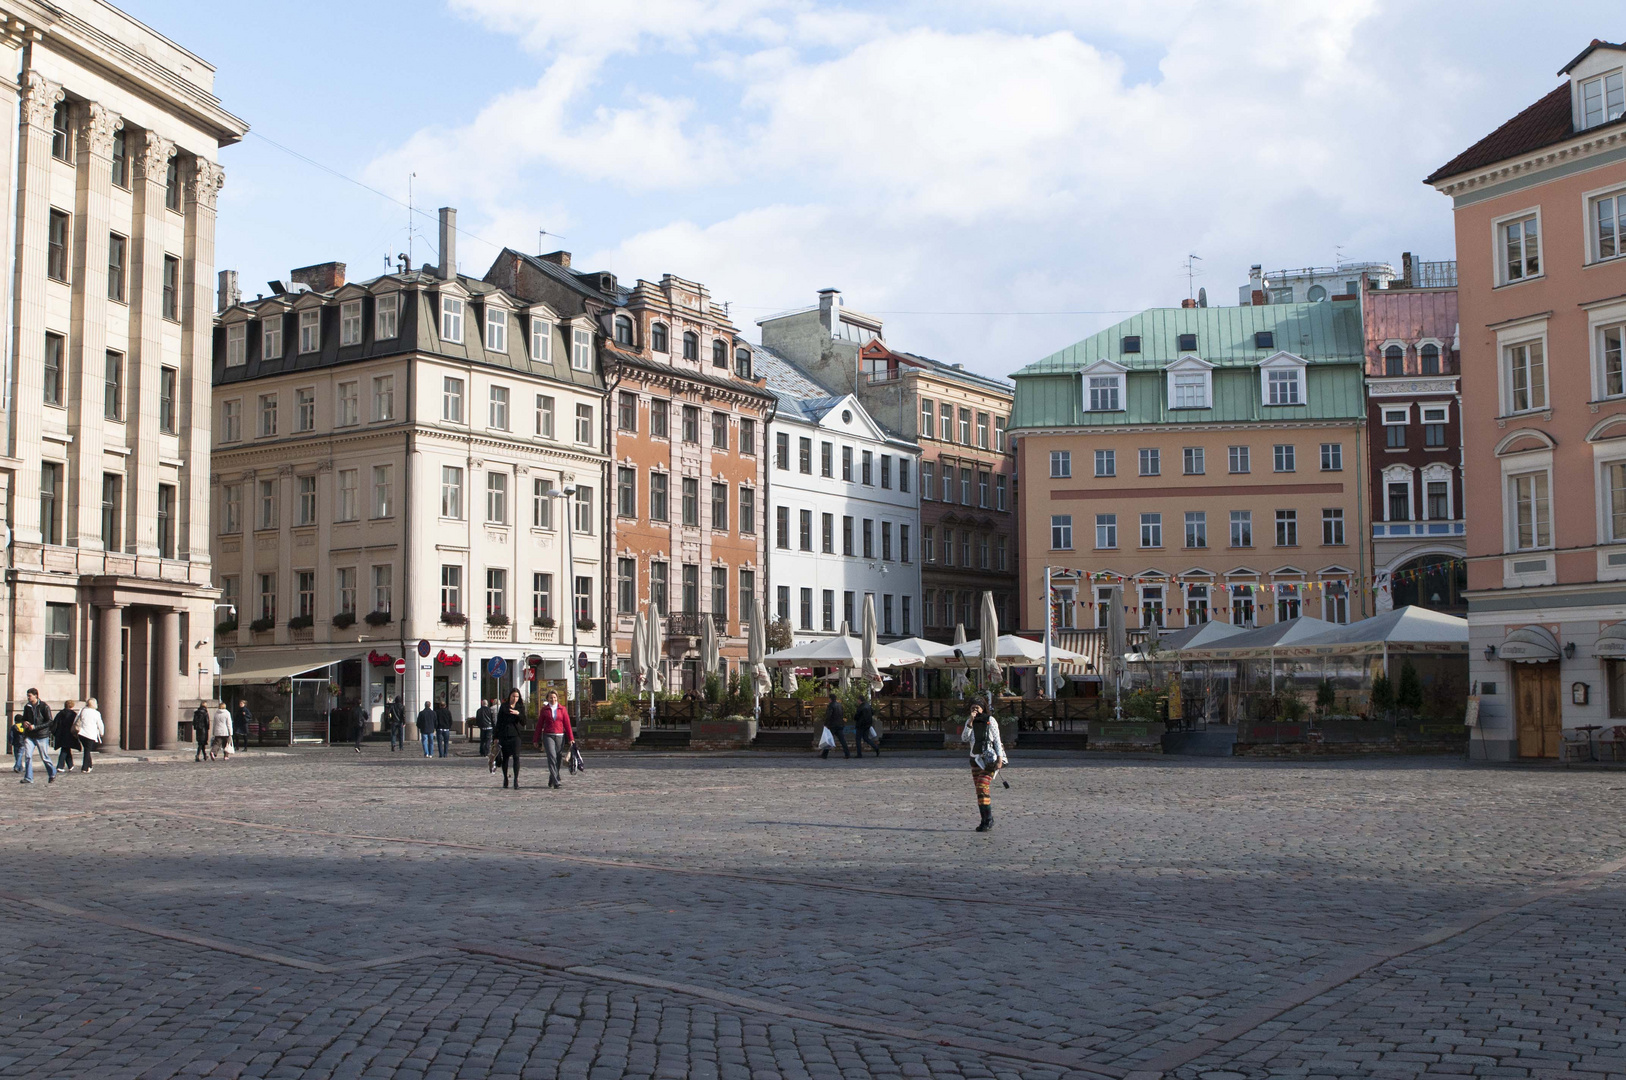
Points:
[(554, 734)]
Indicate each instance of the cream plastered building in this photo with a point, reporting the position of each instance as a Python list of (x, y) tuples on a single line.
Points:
[(104, 434), (411, 458)]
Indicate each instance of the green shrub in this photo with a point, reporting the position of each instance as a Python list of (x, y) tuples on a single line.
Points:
[(1383, 696), (1409, 695)]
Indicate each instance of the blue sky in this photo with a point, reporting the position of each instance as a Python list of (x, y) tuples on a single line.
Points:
[(995, 178)]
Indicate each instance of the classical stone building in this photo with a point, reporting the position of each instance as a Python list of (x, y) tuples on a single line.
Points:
[(418, 457), (105, 431)]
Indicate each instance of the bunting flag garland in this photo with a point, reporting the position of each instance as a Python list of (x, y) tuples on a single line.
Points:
[(1448, 566)]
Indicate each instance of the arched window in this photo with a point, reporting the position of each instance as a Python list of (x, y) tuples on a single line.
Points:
[(1431, 359), (742, 363), (1394, 360), (691, 346), (1316, 294), (719, 353), (1436, 582), (657, 338), (623, 330)]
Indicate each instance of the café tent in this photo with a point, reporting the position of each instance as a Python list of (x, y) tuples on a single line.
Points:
[(1014, 651), (1194, 637), (839, 652), (1406, 629), (1261, 643)]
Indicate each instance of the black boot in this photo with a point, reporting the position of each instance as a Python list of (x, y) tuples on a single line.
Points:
[(987, 818), (826, 754)]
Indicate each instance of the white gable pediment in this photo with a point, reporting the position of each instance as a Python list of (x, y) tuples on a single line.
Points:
[(1105, 367), (1284, 359)]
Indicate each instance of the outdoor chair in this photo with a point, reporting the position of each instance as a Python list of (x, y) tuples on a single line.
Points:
[(1615, 743), (1575, 747)]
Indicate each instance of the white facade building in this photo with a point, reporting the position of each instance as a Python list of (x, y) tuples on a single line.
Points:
[(844, 512)]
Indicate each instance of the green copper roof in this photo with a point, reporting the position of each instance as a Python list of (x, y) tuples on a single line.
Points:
[(1327, 335)]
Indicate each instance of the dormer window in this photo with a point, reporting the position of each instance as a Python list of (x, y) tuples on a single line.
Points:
[(1264, 339), (1282, 388), (1188, 342), (496, 329), (310, 330), (541, 335), (719, 353), (236, 345), (1106, 393), (451, 319), (742, 363), (1131, 343), (1603, 99), (623, 330), (658, 338), (1190, 384), (350, 322), (386, 317)]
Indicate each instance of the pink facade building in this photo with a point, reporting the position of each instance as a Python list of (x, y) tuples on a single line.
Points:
[(1541, 259)]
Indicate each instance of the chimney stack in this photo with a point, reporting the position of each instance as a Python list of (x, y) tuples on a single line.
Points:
[(829, 300), (448, 244), (322, 277), (1188, 302), (557, 258), (1406, 269), (229, 292)]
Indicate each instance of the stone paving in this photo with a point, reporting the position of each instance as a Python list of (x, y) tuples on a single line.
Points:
[(324, 914)]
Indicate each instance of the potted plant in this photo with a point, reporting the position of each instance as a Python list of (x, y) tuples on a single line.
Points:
[(585, 624), (344, 620), (454, 618), (260, 626), (225, 626), (496, 619), (379, 618), (544, 622), (301, 622)]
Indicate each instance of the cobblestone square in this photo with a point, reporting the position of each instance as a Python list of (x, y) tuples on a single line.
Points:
[(322, 914)]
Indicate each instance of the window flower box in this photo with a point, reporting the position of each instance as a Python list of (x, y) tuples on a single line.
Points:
[(379, 618), (344, 620), (260, 626), (454, 618)]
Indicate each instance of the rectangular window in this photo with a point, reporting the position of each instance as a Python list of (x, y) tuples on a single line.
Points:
[(1603, 99), (384, 397), (496, 498), (386, 317), (113, 386), (928, 412), (626, 492), (310, 330), (1283, 457), (903, 602), (541, 504), (1433, 429), (1532, 511), (1151, 605), (231, 420), (1151, 530), (383, 491), (349, 492), (584, 425), (304, 410), (451, 492), (827, 609), (886, 541), (719, 431), (748, 596), (306, 508), (1609, 231), (1196, 605), (827, 466), (168, 377), (691, 501), (1332, 457), (497, 410), (847, 463), (59, 637), (496, 329), (268, 415), (584, 600), (999, 492), (999, 552), (982, 490), (691, 424), (719, 591), (56, 253), (1151, 462), (236, 345), (1196, 529), (451, 590), (51, 502), (999, 439), (948, 540), (121, 158), (626, 411), (1242, 605), (886, 613), (541, 338), (1287, 528), (928, 544), (1437, 500), (53, 369), (1190, 391), (541, 598), (305, 593), (1106, 463), (982, 430), (965, 427), (1106, 531), (451, 400), (804, 456), (581, 350), (660, 587), (451, 319), (965, 486), (945, 422), (903, 542), (867, 465), (748, 435), (1241, 528), (1289, 604), (349, 403), (166, 521), (928, 481), (847, 609), (584, 510), (827, 533), (268, 504), (806, 611), (268, 596), (1394, 435), (1239, 459), (1192, 461), (748, 510), (886, 471), (805, 530), (1332, 527), (544, 416), (344, 581), (350, 322), (1061, 533), (658, 494), (1615, 478), (496, 593), (116, 249), (1527, 376), (719, 506), (1283, 388), (691, 587), (1104, 395), (172, 183), (1061, 464), (231, 498), (1521, 250)]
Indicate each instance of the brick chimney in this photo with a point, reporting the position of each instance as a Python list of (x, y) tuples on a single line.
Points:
[(1406, 269), (448, 244), (1188, 303), (557, 258), (323, 277), (229, 293), (829, 301)]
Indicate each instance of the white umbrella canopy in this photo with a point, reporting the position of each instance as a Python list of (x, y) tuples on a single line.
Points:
[(867, 664), (990, 639), (756, 649), (1117, 637), (637, 661), (960, 681), (708, 646), (652, 651), (840, 652), (789, 680), (927, 651), (1017, 651)]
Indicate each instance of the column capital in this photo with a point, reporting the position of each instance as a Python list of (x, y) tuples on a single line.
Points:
[(155, 155), (203, 188), (96, 133), (39, 99)]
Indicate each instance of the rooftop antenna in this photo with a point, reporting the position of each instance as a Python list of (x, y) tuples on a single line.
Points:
[(1191, 275), (540, 244), (1338, 256), (410, 177)]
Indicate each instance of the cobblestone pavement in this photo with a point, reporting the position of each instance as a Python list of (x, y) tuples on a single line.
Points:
[(323, 914)]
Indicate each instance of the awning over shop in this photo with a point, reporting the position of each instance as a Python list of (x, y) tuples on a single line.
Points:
[(1611, 644), (1529, 645), (269, 665)]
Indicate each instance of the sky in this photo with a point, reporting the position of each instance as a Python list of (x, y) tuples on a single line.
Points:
[(995, 178)]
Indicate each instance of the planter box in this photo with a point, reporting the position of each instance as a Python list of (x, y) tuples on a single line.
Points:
[(1142, 736), (599, 734), (722, 734)]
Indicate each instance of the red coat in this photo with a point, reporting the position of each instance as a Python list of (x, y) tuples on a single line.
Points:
[(557, 724)]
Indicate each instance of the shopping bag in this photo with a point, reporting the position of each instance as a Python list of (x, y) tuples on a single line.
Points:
[(826, 739), (874, 735), (576, 763)]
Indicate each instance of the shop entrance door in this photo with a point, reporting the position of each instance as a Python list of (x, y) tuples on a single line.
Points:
[(1537, 709)]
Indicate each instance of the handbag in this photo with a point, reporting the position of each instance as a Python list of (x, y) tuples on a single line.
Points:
[(576, 763)]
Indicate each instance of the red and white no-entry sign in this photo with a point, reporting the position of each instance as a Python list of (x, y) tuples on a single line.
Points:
[(400, 665)]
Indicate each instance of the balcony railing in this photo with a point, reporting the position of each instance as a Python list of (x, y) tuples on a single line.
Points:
[(1419, 528), (688, 623)]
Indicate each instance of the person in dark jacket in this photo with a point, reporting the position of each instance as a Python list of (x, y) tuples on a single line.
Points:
[(507, 728), (34, 732), (395, 724), (66, 738), (426, 729), (863, 724), (443, 729), (486, 718), (200, 731), (834, 717), (241, 718), (361, 721)]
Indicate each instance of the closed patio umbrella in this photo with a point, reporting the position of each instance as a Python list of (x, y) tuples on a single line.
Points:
[(990, 641), (708, 646), (756, 648), (959, 671), (638, 661), (867, 664), (652, 653)]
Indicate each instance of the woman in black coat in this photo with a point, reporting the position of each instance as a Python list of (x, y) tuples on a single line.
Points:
[(510, 723)]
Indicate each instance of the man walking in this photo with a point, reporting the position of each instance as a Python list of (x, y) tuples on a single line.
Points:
[(66, 740), (359, 717), (34, 733), (240, 719), (426, 729), (487, 719), (200, 731), (863, 724), (395, 722), (834, 717), (443, 728)]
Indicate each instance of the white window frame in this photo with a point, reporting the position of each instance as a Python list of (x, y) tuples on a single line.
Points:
[(1510, 482), (383, 500), (1108, 458), (541, 338), (496, 497), (1602, 81), (1616, 456), (1435, 474), (1061, 532), (1109, 392), (1149, 461), (1183, 372), (347, 494), (383, 398), (497, 408), (1106, 532), (1531, 404), (1601, 318), (451, 318), (1151, 530), (350, 322), (310, 330), (581, 349), (1592, 202), (305, 408), (1498, 226), (347, 404), (452, 398), (237, 345), (545, 416), (496, 329), (387, 317), (451, 492), (1061, 464), (1333, 461), (1508, 336), (1279, 364), (271, 337)]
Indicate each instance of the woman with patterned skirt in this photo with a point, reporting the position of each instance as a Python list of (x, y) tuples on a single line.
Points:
[(981, 733)]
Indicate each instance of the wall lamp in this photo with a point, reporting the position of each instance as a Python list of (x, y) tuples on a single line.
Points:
[(1569, 650), (1490, 652)]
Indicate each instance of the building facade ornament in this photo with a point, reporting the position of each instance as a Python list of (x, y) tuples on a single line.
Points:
[(204, 186), (1392, 387), (97, 131), (39, 99), (155, 157)]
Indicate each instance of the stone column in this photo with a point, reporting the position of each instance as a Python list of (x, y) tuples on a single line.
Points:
[(10, 97), (87, 344), (110, 671), (39, 98), (146, 346), (167, 694), (197, 359)]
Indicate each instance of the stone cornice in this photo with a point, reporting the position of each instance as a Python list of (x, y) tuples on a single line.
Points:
[(1577, 149), (1392, 386)]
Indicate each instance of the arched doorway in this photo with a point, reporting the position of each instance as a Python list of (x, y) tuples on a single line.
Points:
[(1435, 582)]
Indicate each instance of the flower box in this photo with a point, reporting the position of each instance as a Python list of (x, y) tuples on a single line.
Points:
[(344, 620), (379, 618), (454, 618)]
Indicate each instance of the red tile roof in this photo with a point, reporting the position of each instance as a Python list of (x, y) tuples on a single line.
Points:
[(1546, 122)]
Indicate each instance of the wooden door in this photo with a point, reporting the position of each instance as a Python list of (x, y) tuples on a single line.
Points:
[(1536, 708)]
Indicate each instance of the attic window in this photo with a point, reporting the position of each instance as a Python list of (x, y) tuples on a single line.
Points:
[(1264, 339), (1603, 99), (1131, 343), (1188, 342)]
